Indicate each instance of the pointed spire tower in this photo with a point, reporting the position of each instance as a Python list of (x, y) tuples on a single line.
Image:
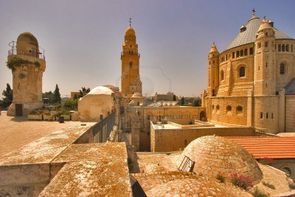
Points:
[(130, 79)]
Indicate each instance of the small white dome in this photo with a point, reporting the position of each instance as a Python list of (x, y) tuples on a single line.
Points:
[(101, 90)]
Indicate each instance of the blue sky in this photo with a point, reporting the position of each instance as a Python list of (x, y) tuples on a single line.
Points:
[(83, 39)]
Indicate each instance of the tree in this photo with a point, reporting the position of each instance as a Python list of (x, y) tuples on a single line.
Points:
[(56, 95), (70, 104), (84, 91), (8, 96), (182, 101), (197, 101)]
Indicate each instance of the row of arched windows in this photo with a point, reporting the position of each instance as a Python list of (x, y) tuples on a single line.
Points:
[(238, 53), (284, 48), (239, 108)]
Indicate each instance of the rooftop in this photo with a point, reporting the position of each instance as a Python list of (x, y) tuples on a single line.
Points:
[(249, 34), (267, 147)]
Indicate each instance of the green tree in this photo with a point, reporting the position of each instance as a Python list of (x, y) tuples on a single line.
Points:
[(197, 101), (7, 97), (84, 91), (56, 95), (182, 101), (70, 104)]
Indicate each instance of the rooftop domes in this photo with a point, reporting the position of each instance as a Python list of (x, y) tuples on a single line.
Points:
[(249, 30), (215, 155), (101, 90), (28, 38), (265, 24), (213, 48)]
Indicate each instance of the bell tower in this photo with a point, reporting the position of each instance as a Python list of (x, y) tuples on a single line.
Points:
[(130, 79), (213, 71)]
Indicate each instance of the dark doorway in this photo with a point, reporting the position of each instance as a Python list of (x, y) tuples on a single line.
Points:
[(18, 109), (203, 116)]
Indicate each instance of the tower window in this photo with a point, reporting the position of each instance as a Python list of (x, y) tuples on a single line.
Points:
[(283, 48), (233, 55), (130, 65), (217, 107), (242, 71), (287, 48), (279, 48), (251, 51), (222, 75), (261, 115), (246, 52), (259, 45), (228, 108), (266, 44), (238, 53), (266, 115), (241, 53), (239, 109), (282, 68)]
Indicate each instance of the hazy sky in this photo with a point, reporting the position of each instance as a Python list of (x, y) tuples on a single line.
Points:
[(83, 38)]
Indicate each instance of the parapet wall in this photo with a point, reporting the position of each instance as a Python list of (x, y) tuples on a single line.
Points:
[(165, 140)]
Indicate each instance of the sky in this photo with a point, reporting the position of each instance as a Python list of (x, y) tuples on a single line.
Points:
[(83, 39)]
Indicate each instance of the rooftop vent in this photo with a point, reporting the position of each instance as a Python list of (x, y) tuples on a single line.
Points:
[(243, 28)]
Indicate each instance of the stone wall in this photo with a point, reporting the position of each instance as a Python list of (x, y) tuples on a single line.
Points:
[(165, 140), (290, 113)]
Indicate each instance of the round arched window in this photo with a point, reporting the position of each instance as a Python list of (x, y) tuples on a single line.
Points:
[(282, 68), (228, 108), (222, 75), (239, 109), (242, 71)]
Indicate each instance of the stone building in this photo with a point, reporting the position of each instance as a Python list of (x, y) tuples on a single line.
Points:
[(96, 105), (252, 81), (27, 64), (130, 79)]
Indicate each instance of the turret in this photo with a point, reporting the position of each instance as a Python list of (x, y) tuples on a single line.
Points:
[(213, 70), (264, 61)]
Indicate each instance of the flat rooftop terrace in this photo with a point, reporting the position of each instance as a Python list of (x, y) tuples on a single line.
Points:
[(17, 132)]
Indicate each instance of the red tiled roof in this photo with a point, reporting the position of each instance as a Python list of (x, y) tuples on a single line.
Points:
[(262, 147)]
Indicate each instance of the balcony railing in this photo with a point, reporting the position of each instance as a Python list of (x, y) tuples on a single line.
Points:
[(33, 53)]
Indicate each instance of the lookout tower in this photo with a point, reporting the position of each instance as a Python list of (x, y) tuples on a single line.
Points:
[(27, 64)]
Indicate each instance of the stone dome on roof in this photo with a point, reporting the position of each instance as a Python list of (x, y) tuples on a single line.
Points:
[(215, 155), (196, 187), (28, 38), (248, 35), (129, 31), (101, 90)]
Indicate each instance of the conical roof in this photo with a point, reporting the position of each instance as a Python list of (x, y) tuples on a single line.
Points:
[(248, 33)]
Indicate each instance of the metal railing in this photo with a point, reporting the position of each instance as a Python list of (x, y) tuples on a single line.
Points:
[(32, 52)]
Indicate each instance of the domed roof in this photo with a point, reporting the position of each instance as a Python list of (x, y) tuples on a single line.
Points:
[(248, 33), (28, 38), (129, 31), (215, 155), (101, 90), (196, 187)]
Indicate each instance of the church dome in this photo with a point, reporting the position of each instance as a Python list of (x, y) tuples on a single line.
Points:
[(213, 48), (215, 155), (248, 32), (136, 95)]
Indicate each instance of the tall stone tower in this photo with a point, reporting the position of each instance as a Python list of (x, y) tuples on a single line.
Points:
[(27, 65), (213, 71), (264, 60), (130, 79)]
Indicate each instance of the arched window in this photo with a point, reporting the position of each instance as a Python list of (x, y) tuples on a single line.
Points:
[(283, 48), (282, 68), (228, 109), (130, 65), (222, 75), (217, 107), (239, 109), (242, 71)]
